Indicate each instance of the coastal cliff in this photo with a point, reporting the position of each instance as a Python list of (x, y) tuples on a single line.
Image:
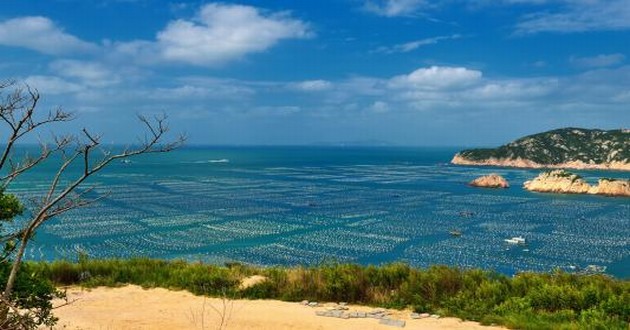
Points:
[(559, 181), (574, 148), (490, 181)]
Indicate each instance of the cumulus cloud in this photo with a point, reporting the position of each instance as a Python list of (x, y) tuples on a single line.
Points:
[(413, 45), (53, 85), (209, 89), (579, 16), (223, 32), (513, 89), (599, 61), (311, 85), (437, 77), (393, 8), (217, 34), (88, 73), (42, 35)]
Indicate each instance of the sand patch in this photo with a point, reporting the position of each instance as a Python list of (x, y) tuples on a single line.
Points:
[(132, 307), (250, 281)]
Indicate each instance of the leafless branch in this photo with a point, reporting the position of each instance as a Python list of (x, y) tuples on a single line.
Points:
[(18, 110)]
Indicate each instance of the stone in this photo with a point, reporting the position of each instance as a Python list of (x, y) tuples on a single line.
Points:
[(336, 313), (376, 315), (490, 181), (393, 322), (358, 315), (333, 313)]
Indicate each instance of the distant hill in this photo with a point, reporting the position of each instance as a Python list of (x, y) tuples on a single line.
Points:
[(561, 148)]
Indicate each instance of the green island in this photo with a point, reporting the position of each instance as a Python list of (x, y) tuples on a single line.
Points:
[(555, 300), (577, 148)]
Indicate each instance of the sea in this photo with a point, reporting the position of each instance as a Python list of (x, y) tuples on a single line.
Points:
[(311, 205)]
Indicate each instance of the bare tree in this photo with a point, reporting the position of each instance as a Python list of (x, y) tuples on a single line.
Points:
[(18, 112)]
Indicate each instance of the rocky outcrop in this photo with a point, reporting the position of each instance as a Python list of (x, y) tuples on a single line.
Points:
[(575, 148), (518, 162), (490, 181), (560, 181), (611, 187)]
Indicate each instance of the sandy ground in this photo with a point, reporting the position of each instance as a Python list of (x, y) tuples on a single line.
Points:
[(132, 307)]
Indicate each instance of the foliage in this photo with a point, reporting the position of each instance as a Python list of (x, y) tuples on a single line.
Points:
[(526, 301), (33, 292), (10, 206)]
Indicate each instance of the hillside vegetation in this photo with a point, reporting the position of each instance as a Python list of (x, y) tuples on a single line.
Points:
[(527, 301), (557, 147)]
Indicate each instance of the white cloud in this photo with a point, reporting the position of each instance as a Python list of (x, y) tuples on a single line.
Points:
[(579, 16), (268, 111), (53, 85), (513, 89), (413, 45), (42, 35), (223, 32), (218, 89), (379, 107), (599, 61), (393, 8), (218, 33), (88, 73), (311, 85), (437, 77)]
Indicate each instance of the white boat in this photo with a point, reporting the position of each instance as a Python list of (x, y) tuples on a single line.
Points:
[(518, 240)]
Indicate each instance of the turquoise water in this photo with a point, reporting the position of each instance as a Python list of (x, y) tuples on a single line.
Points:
[(297, 205)]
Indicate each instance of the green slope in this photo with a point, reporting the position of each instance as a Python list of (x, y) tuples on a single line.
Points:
[(561, 146)]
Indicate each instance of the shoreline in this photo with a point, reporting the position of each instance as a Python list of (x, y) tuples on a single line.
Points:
[(132, 307), (527, 164)]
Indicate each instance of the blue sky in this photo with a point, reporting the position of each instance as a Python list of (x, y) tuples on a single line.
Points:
[(406, 72)]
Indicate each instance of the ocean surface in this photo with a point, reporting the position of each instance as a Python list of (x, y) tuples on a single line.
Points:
[(307, 205)]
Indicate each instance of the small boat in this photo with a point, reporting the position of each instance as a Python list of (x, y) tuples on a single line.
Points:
[(518, 240), (594, 269), (125, 161), (455, 233)]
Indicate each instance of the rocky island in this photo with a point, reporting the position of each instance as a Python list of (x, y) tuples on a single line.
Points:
[(490, 181), (560, 181), (575, 148)]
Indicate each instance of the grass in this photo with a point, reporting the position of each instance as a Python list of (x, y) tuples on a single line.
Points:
[(527, 301)]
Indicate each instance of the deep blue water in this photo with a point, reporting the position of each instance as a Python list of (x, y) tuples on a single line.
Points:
[(305, 205)]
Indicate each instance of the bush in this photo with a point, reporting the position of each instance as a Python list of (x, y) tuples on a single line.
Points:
[(526, 301), (33, 292)]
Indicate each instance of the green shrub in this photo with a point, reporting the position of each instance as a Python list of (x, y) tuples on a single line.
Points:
[(526, 301)]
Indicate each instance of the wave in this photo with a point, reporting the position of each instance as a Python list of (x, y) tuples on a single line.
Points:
[(212, 161)]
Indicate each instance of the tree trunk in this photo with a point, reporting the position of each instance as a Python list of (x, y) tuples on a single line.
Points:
[(8, 289)]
